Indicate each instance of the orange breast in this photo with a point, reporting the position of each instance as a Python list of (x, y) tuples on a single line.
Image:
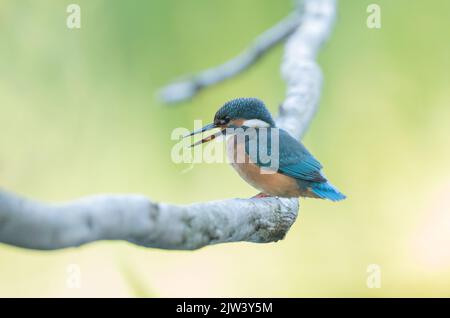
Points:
[(275, 184)]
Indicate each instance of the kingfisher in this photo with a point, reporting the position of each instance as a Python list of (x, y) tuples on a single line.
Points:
[(296, 172)]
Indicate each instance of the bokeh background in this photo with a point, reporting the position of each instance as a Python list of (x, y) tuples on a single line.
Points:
[(78, 116)]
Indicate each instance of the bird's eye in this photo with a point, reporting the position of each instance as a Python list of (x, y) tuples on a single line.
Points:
[(224, 120)]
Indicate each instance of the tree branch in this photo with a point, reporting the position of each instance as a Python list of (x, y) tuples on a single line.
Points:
[(137, 219), (187, 88), (300, 69)]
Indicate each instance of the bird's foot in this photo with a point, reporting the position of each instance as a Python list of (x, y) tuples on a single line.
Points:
[(261, 195)]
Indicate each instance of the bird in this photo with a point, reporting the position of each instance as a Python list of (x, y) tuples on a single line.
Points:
[(296, 174)]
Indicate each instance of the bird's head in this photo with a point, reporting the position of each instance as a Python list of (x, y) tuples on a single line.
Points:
[(237, 113), (250, 112)]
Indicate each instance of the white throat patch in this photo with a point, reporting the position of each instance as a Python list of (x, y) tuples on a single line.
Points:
[(256, 123)]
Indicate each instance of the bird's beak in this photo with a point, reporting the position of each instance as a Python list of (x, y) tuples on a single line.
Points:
[(206, 139), (203, 129)]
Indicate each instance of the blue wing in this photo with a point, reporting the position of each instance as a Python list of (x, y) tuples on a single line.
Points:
[(294, 159)]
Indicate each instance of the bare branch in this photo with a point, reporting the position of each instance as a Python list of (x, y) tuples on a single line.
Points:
[(138, 220), (187, 88), (300, 69)]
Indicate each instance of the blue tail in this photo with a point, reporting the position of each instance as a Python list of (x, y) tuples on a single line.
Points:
[(327, 191)]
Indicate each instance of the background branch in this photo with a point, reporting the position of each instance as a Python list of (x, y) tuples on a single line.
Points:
[(139, 220), (300, 69), (185, 89)]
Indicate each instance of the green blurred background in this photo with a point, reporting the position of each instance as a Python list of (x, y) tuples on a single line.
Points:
[(78, 116)]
